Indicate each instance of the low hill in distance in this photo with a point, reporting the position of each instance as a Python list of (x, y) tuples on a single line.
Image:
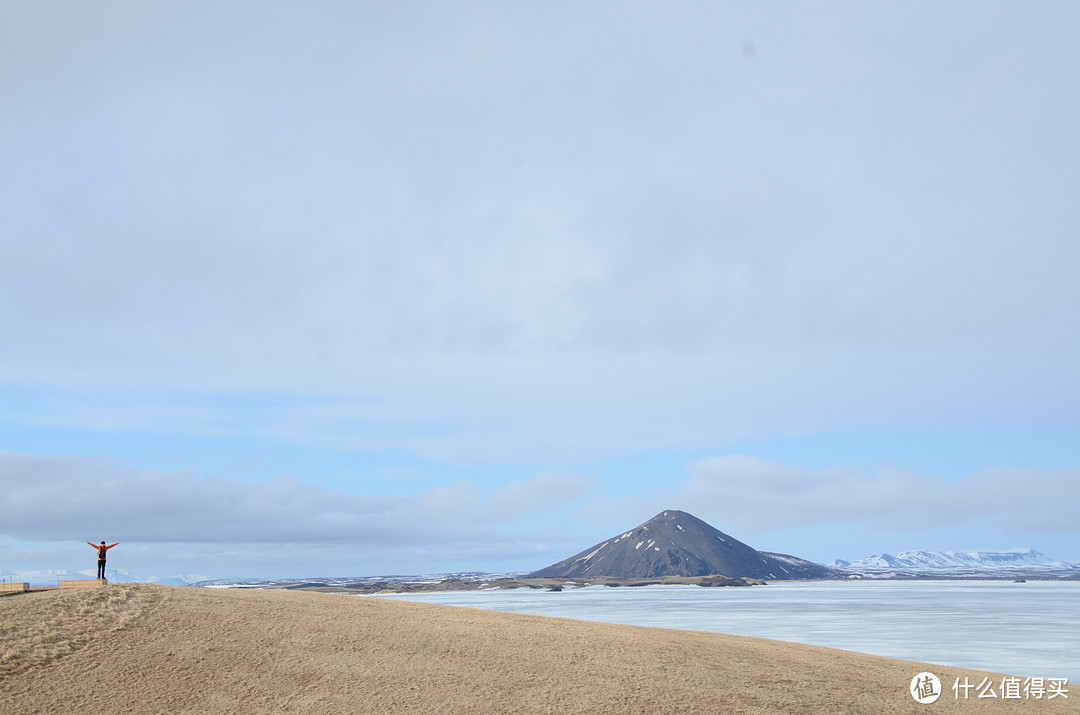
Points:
[(674, 543)]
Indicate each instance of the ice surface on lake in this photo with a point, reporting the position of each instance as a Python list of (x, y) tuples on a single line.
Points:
[(1028, 629)]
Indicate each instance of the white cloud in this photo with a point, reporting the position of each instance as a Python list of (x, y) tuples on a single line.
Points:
[(757, 494), (524, 496), (465, 211), (79, 498)]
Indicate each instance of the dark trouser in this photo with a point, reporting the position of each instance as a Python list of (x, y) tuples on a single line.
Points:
[(101, 568)]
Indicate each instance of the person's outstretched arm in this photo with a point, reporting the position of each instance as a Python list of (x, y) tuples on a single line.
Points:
[(94, 546), (111, 545)]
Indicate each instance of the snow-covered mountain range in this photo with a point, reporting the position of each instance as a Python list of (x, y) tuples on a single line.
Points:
[(1011, 563)]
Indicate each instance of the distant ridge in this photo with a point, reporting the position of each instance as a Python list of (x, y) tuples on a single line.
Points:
[(674, 543), (1011, 563)]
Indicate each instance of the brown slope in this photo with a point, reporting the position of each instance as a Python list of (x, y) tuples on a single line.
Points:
[(159, 649)]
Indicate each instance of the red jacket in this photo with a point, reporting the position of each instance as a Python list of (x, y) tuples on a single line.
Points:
[(101, 549)]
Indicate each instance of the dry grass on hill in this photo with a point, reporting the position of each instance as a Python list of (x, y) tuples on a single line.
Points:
[(134, 648)]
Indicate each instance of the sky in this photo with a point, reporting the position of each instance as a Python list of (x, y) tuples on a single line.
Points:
[(360, 288)]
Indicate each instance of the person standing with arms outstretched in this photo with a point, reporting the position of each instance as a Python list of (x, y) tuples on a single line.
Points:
[(101, 557)]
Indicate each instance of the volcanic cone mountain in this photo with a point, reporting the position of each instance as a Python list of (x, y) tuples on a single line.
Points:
[(674, 543)]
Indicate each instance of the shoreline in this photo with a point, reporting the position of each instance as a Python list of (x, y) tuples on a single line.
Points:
[(376, 585), (503, 583)]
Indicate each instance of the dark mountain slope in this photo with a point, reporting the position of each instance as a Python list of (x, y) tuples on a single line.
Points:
[(674, 543)]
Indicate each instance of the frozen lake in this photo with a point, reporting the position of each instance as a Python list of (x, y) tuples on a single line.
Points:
[(1028, 629)]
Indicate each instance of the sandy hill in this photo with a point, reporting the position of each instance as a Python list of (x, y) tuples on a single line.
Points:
[(136, 648), (674, 543)]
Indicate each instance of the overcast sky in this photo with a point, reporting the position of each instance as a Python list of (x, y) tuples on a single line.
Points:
[(366, 288)]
